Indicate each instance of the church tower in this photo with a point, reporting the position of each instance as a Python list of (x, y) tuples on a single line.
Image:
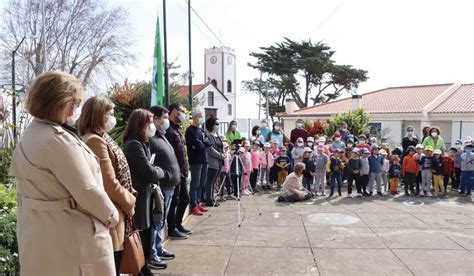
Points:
[(219, 68)]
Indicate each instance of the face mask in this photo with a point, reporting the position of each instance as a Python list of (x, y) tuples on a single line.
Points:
[(110, 124), (337, 139), (264, 124), (233, 127), (349, 145), (434, 134), (182, 117), (258, 132), (362, 142), (151, 130), (300, 144), (298, 125), (310, 144), (200, 121), (165, 124), (277, 128), (71, 120), (410, 132)]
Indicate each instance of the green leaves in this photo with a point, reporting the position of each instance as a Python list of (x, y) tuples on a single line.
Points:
[(357, 122)]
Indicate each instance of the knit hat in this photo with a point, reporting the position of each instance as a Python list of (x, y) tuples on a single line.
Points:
[(383, 152), (350, 138), (267, 145), (419, 146), (429, 148), (437, 151)]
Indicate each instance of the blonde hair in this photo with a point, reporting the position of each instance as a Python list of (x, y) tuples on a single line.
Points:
[(49, 94), (92, 114), (299, 168)]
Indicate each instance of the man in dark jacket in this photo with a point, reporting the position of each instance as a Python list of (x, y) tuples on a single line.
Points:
[(164, 157), (196, 143), (409, 140), (180, 200)]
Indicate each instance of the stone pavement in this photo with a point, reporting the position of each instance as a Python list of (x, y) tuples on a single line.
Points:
[(342, 236)]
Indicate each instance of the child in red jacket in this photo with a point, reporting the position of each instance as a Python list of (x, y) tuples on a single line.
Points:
[(448, 165)]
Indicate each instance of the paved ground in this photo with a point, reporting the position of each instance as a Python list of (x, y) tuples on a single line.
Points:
[(368, 236)]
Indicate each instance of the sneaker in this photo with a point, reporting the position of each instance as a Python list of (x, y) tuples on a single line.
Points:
[(230, 197), (280, 199), (221, 198), (330, 195), (379, 193), (202, 208), (156, 263), (184, 230), (212, 203), (428, 194), (349, 196), (166, 255), (308, 196), (371, 193), (177, 235), (245, 193), (359, 195), (196, 211), (323, 194)]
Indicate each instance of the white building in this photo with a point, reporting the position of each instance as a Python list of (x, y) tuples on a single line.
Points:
[(217, 96), (448, 106)]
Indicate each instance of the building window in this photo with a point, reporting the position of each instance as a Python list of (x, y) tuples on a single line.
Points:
[(229, 109), (210, 98), (229, 86), (214, 82)]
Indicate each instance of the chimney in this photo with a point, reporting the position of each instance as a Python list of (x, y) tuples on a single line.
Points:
[(290, 106), (356, 101)]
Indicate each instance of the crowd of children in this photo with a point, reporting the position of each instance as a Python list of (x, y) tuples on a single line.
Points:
[(304, 169)]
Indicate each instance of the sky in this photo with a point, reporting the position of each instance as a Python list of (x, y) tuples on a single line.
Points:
[(399, 42)]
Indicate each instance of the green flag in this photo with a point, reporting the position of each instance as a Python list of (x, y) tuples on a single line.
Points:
[(157, 88)]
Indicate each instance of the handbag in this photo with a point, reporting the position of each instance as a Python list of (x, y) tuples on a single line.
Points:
[(133, 258)]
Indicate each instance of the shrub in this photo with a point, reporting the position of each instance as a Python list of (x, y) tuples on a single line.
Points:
[(9, 262), (357, 122)]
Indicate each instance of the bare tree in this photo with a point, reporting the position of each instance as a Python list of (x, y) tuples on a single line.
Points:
[(83, 38)]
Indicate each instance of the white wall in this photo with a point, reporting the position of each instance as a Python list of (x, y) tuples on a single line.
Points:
[(461, 130), (219, 102)]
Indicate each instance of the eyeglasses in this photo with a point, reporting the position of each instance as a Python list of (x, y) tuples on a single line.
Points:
[(217, 124)]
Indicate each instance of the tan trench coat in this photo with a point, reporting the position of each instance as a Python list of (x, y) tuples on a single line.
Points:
[(123, 199), (57, 235)]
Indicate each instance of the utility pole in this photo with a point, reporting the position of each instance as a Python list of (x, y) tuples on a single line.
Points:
[(45, 57), (165, 48), (190, 96), (260, 96), (14, 89)]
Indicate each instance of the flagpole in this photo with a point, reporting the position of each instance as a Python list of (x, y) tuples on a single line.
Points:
[(190, 95), (165, 41)]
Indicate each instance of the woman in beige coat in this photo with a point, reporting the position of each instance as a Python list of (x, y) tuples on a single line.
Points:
[(63, 211), (97, 118)]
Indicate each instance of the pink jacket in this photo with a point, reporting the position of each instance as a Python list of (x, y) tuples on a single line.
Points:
[(225, 167), (266, 160), (386, 165), (255, 158), (247, 160)]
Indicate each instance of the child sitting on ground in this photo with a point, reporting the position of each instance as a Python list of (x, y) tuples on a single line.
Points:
[(394, 174), (310, 169), (293, 189)]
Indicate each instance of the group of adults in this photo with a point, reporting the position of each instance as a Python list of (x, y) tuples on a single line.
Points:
[(80, 195)]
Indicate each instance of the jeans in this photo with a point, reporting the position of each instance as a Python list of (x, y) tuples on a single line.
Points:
[(386, 184), (225, 180), (336, 177), (198, 179), (308, 182), (364, 181), (158, 223), (377, 178), (467, 179), (179, 204), (212, 175), (446, 181)]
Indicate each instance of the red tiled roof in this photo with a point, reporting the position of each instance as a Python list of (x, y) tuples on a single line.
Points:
[(183, 91), (404, 99), (461, 101)]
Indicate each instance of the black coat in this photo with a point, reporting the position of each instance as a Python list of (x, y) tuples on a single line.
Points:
[(143, 175)]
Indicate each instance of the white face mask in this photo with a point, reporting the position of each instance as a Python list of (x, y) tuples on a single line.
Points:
[(165, 124), (349, 145), (110, 124), (151, 130), (361, 142), (264, 124), (434, 134), (310, 144), (299, 144), (182, 117), (71, 120), (299, 125), (200, 121), (258, 132), (277, 128), (337, 139), (233, 127)]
